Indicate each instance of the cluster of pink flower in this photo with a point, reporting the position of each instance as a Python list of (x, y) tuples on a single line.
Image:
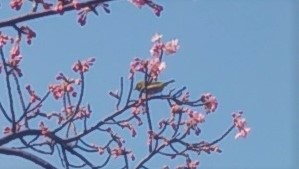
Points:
[(241, 125), (83, 66), (195, 117), (60, 4), (16, 4), (66, 86), (4, 39), (209, 101), (158, 47), (83, 112), (154, 66), (119, 151), (15, 58)]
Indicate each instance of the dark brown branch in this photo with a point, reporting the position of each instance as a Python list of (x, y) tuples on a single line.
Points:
[(37, 105), (100, 123), (148, 157), (28, 156), (223, 136), (9, 90), (20, 96), (33, 147), (31, 132), (4, 112), (121, 92), (65, 159), (130, 90), (35, 15)]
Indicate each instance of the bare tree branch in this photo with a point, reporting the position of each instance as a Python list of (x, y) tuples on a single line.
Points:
[(28, 156)]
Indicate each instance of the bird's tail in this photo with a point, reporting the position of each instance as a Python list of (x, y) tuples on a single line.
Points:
[(170, 81)]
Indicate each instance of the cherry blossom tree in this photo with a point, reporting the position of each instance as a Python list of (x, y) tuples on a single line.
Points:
[(29, 132)]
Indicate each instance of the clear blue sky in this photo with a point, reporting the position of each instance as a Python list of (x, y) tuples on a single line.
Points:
[(242, 51)]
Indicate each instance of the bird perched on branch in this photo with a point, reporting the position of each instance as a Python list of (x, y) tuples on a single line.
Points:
[(152, 87)]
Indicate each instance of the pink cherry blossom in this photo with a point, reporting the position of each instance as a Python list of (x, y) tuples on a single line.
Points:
[(176, 109), (155, 67), (65, 86), (100, 150), (84, 112), (192, 164), (16, 4), (209, 102), (172, 46), (241, 125), (15, 58), (137, 65), (84, 65), (138, 3), (57, 90), (4, 39), (59, 7), (76, 4), (195, 117), (156, 50), (157, 37), (116, 152), (15, 50)]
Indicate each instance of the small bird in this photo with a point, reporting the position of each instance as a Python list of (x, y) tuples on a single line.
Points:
[(152, 87)]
